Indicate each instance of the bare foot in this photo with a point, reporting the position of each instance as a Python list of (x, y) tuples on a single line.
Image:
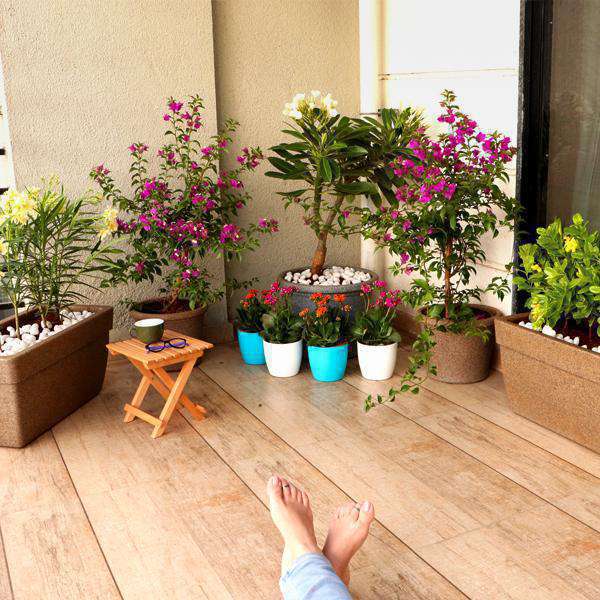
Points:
[(347, 532), (291, 513)]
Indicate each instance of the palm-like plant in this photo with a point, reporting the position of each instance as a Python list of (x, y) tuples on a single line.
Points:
[(337, 159)]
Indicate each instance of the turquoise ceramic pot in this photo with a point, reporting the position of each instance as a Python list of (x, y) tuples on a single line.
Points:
[(251, 347), (328, 364)]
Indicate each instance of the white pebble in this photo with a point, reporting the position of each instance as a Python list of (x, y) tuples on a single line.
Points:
[(559, 336), (576, 341), (547, 330), (27, 337), (529, 325)]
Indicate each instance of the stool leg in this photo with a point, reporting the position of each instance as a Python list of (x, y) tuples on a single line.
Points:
[(174, 396), (197, 411), (138, 398)]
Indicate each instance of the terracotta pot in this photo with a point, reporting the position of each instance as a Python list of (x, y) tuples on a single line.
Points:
[(551, 382), (461, 358), (43, 384), (188, 322)]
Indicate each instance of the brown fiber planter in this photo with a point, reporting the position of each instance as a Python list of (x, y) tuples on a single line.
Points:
[(188, 322), (551, 382), (43, 384), (460, 358)]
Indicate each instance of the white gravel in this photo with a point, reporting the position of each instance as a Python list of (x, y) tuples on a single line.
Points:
[(547, 330), (33, 333), (331, 276)]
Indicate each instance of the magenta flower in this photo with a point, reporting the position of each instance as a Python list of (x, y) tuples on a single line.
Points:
[(379, 283), (175, 106), (407, 225), (365, 288), (167, 117)]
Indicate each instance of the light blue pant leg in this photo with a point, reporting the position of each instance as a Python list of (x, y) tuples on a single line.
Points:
[(311, 577)]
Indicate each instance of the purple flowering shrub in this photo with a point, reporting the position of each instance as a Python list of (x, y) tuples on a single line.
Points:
[(447, 198), (185, 212)]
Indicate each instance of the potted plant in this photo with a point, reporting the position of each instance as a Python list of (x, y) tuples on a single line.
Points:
[(249, 327), (551, 356), (374, 332), (183, 214), (449, 199), (326, 335), (53, 354), (282, 333), (329, 156)]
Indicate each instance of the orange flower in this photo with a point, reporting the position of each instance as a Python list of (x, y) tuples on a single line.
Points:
[(321, 311), (339, 298), (316, 296), (250, 295), (245, 304), (303, 312)]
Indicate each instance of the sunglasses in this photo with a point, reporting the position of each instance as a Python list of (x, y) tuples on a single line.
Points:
[(172, 343)]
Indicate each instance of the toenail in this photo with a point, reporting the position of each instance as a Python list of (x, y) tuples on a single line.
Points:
[(366, 506)]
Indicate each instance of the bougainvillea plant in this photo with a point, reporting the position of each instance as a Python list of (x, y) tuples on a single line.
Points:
[(281, 324), (449, 199), (327, 325), (336, 159), (374, 324), (250, 312), (186, 211), (561, 275)]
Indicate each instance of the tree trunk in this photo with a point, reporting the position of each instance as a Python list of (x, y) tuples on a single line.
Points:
[(318, 261), (447, 282)]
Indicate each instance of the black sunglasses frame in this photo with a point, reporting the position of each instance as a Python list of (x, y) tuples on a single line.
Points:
[(166, 344)]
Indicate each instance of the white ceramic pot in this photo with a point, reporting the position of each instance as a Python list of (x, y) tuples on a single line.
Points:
[(377, 362), (283, 360)]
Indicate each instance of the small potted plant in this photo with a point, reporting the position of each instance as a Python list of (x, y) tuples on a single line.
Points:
[(53, 354), (334, 160), (551, 356), (249, 326), (326, 335), (282, 333), (374, 332), (449, 199), (180, 216)]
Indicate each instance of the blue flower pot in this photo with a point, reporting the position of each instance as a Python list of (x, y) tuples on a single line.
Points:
[(251, 347), (328, 364)]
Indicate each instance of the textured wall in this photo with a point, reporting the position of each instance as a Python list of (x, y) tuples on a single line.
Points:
[(85, 78), (265, 52)]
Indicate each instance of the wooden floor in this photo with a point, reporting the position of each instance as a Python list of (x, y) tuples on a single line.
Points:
[(470, 499)]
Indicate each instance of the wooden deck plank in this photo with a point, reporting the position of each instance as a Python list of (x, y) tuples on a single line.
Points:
[(410, 474), (384, 568), (532, 555), (5, 586), (172, 518), (487, 399), (557, 481), (51, 550)]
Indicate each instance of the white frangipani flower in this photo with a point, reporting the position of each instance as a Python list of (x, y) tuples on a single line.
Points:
[(301, 105)]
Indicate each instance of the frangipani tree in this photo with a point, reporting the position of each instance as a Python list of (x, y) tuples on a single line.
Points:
[(337, 159)]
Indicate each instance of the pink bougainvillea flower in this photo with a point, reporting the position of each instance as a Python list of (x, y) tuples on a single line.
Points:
[(175, 106), (167, 117)]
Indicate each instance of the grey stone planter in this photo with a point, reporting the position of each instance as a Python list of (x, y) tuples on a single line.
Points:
[(301, 298)]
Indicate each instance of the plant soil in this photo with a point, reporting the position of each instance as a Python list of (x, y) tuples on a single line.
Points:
[(573, 330)]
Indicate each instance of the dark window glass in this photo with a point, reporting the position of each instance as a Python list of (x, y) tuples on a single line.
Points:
[(574, 139)]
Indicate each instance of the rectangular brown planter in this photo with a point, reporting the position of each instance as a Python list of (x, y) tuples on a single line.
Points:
[(43, 384), (551, 382)]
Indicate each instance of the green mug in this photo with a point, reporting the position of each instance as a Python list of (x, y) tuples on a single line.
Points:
[(148, 331)]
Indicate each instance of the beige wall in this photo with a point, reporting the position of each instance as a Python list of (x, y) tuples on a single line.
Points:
[(85, 78), (265, 52)]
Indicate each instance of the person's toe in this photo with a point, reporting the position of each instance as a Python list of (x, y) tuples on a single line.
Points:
[(366, 513), (305, 499), (274, 489), (345, 509)]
